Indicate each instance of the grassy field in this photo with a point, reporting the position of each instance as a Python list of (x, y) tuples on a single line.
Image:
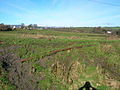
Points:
[(57, 60)]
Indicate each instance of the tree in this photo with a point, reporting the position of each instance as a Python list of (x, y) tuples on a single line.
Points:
[(2, 24), (30, 27), (118, 32), (5, 27), (22, 25)]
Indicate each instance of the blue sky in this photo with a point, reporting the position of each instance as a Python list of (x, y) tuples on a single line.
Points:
[(61, 12)]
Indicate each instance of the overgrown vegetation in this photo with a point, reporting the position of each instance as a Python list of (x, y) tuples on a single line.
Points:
[(34, 65)]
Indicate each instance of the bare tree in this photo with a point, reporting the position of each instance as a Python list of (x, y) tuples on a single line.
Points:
[(22, 25), (30, 27)]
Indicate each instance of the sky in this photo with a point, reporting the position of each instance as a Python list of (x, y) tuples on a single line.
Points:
[(69, 13)]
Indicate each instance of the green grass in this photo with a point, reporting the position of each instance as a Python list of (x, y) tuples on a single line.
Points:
[(79, 64), (20, 32)]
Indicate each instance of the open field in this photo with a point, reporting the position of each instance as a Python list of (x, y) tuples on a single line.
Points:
[(57, 60)]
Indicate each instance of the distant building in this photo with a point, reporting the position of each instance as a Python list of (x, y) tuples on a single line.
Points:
[(14, 27), (109, 32)]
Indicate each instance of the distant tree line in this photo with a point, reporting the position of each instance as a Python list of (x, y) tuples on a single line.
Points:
[(100, 30), (29, 27), (5, 27)]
